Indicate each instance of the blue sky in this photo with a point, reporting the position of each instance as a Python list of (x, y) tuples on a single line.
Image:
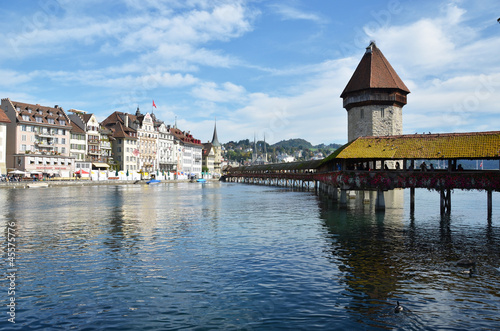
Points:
[(273, 68)]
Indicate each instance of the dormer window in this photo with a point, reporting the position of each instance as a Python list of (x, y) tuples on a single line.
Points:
[(29, 110), (26, 118), (62, 122)]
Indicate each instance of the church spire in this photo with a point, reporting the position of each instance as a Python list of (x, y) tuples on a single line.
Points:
[(215, 140), (265, 149)]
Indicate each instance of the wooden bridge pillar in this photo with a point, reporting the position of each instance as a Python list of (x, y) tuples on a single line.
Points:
[(412, 200), (490, 203), (343, 197), (445, 201), (380, 202), (366, 196)]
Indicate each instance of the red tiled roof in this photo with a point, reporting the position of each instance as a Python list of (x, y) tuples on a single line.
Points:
[(3, 117), (41, 111), (116, 124), (374, 72), (76, 129), (185, 137), (86, 117), (112, 119)]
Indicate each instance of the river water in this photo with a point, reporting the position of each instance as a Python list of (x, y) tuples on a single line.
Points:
[(226, 256)]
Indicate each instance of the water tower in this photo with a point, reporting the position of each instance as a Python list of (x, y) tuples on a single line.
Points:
[(374, 97)]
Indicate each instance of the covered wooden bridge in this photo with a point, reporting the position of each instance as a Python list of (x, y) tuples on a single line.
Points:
[(430, 161)]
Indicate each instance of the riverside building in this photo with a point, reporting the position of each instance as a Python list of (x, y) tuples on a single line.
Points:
[(4, 120), (38, 139)]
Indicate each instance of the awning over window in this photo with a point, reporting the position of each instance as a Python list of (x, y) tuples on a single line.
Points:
[(100, 165)]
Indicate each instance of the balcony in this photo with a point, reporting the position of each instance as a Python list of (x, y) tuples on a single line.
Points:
[(44, 134), (105, 145), (375, 97), (44, 144)]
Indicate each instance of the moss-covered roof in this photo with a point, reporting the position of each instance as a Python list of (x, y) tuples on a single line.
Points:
[(471, 145)]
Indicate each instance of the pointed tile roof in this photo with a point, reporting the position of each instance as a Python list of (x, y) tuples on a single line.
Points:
[(215, 140), (374, 72)]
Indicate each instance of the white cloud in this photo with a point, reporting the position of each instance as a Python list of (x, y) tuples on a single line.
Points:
[(225, 93), (12, 78), (290, 13)]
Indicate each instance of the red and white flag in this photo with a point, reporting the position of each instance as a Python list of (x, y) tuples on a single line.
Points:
[(154, 104)]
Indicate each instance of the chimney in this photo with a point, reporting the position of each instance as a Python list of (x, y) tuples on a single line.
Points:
[(126, 120)]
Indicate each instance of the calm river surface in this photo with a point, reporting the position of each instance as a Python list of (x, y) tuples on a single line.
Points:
[(225, 256)]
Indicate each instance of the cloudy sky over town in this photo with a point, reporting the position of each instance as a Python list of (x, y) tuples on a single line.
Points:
[(273, 68)]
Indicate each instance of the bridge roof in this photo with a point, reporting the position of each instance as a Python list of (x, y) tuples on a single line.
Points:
[(470, 145), (301, 165)]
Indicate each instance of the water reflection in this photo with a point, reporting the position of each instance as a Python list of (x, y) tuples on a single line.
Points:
[(231, 256), (394, 256)]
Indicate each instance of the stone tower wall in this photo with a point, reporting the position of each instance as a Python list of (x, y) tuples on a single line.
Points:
[(374, 120)]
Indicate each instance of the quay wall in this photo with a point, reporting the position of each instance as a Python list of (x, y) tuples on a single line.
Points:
[(24, 184)]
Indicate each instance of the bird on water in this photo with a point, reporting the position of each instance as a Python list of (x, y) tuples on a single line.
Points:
[(398, 308)]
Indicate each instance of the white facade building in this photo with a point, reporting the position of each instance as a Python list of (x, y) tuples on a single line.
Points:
[(3, 142), (167, 153)]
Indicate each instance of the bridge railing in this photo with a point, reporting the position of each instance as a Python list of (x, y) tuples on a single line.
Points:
[(389, 179), (432, 180), (288, 175)]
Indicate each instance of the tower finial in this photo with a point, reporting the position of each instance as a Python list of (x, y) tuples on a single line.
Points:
[(369, 49)]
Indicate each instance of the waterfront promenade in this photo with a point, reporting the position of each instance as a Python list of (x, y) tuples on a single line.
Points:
[(86, 182)]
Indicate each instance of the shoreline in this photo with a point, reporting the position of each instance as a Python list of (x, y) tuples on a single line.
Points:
[(25, 184)]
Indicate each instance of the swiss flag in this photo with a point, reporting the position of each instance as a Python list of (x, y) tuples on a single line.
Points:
[(154, 104)]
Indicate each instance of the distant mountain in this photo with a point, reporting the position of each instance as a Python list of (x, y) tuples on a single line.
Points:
[(242, 150), (293, 143), (331, 146), (303, 144)]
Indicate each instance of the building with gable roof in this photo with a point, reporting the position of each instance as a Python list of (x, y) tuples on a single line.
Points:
[(39, 139), (212, 154), (167, 153), (78, 149), (374, 97), (189, 152), (147, 143), (208, 157), (4, 120), (125, 143), (98, 146)]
